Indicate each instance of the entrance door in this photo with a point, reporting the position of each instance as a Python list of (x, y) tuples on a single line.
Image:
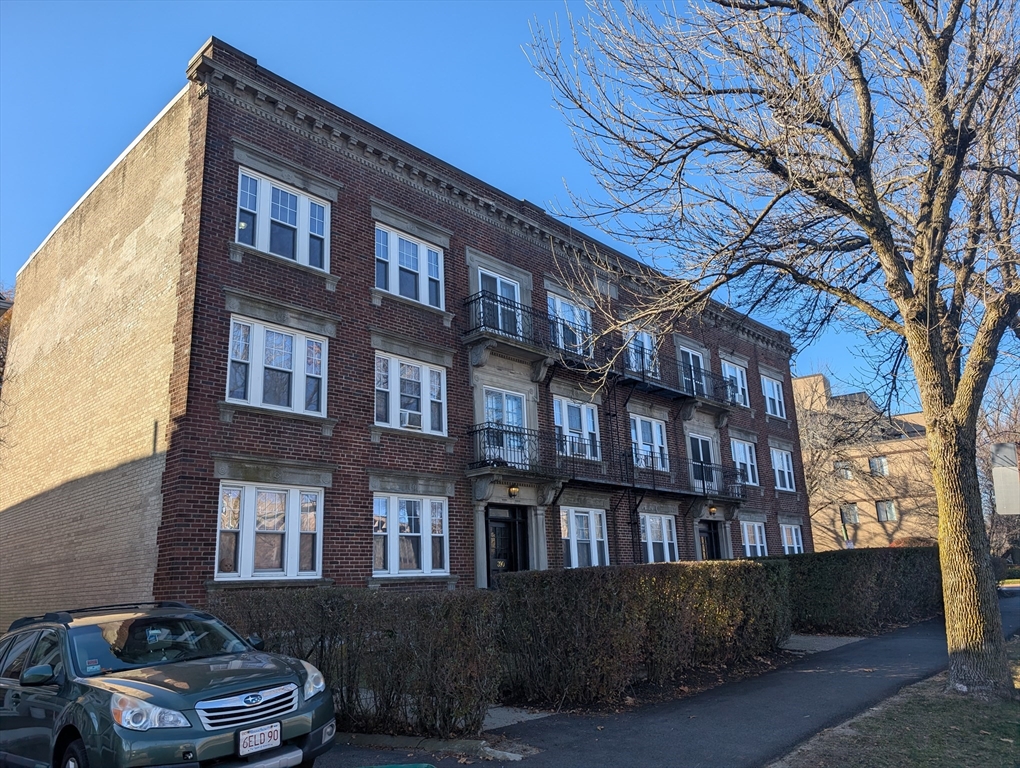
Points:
[(702, 475), (508, 540), (505, 441), (711, 545)]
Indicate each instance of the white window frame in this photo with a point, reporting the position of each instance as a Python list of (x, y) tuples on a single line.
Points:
[(263, 209), (772, 389), (886, 511), (658, 457), (256, 365), (583, 444), (246, 531), (782, 466), (694, 375), (400, 418), (745, 459), (753, 535), (561, 310), (392, 534), (642, 355), (596, 522), (736, 377), (879, 466), (493, 307), (429, 270), (668, 538), (793, 539)]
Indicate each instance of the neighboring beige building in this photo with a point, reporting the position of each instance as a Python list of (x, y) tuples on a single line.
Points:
[(868, 476)]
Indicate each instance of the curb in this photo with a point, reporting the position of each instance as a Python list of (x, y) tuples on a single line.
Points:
[(474, 747)]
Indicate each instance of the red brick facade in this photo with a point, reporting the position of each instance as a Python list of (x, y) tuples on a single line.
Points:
[(243, 117)]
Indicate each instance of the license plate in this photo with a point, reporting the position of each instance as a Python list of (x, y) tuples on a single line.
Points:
[(257, 739)]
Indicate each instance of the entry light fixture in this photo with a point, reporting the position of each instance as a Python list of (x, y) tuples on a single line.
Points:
[(711, 509), (512, 491)]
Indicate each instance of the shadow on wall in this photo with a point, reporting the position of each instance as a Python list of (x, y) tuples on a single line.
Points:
[(85, 542)]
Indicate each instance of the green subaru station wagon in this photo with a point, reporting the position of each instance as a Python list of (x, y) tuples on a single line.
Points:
[(154, 684)]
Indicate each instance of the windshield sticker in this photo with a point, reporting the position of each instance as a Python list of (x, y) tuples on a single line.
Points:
[(92, 666), (152, 635)]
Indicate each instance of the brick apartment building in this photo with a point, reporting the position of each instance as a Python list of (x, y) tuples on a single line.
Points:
[(274, 344)]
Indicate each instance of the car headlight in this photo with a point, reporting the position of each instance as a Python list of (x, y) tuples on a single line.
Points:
[(315, 682), (139, 715)]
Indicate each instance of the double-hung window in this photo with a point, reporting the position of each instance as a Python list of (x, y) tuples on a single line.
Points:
[(569, 325), (879, 466), (658, 539), (886, 511), (848, 514), (745, 460), (773, 391), (410, 395), (408, 267), (736, 383), (793, 544), (782, 465), (577, 429), (648, 443), (754, 539), (584, 537), (276, 367), (269, 531), (281, 220), (642, 352), (409, 535)]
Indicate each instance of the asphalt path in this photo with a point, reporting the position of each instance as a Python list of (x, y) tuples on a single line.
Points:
[(745, 723)]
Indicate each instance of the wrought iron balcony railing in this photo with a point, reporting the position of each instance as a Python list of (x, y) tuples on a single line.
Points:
[(492, 313)]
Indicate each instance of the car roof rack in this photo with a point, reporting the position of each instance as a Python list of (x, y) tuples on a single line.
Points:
[(65, 617)]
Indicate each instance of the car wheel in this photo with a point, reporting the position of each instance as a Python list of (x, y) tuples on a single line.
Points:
[(74, 755)]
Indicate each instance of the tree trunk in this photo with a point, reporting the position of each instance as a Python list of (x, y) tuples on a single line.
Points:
[(977, 651)]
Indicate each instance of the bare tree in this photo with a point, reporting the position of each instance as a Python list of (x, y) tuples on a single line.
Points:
[(830, 161)]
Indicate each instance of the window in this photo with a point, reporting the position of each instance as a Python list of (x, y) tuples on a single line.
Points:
[(843, 470), (500, 307), (702, 474), (886, 511), (505, 439), (642, 352), (793, 544), (409, 535), (745, 460), (276, 367), (648, 442), (268, 531), (410, 395), (658, 539), (848, 514), (584, 537), (275, 218), (754, 539), (408, 267), (569, 325), (17, 657), (773, 391), (879, 466), (47, 651), (782, 464), (577, 429), (736, 383), (692, 372)]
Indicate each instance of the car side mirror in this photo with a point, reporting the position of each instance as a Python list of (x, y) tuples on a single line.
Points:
[(38, 675), (256, 642)]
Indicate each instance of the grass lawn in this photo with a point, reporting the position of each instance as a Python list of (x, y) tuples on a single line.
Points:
[(921, 726)]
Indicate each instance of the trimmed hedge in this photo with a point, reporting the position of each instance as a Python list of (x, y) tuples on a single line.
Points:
[(585, 635), (863, 591)]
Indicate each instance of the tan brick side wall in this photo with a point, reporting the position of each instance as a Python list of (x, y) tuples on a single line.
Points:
[(88, 387)]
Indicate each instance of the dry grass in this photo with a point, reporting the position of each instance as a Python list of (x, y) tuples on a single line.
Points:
[(923, 725)]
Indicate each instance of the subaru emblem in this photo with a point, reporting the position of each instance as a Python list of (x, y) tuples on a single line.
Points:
[(252, 699)]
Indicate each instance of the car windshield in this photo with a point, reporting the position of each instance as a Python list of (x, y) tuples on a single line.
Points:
[(147, 641)]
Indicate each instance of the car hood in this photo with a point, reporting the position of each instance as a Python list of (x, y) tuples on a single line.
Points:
[(199, 679)]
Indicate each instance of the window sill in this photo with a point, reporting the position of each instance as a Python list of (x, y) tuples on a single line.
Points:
[(375, 582), (377, 299), (771, 417), (227, 411), (377, 432), (239, 251), (254, 581)]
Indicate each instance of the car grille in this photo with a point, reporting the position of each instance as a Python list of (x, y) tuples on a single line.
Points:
[(234, 711)]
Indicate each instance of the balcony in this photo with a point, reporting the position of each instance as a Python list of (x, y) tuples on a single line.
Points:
[(657, 372), (501, 324), (516, 452)]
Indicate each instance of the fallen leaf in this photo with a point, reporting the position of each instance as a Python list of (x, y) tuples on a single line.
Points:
[(1009, 740), (465, 761), (985, 733)]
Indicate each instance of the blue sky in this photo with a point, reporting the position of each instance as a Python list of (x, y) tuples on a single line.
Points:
[(79, 80)]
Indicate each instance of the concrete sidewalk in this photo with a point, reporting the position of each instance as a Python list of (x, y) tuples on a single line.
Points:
[(745, 723)]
